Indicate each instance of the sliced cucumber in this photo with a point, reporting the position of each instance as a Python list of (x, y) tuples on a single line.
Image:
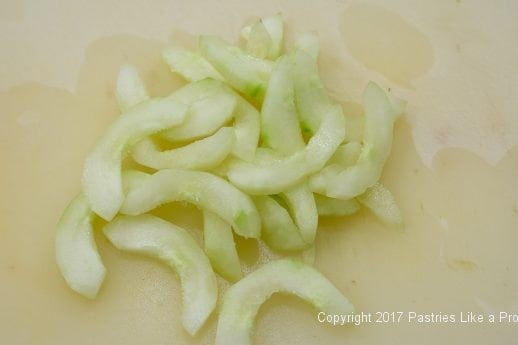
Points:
[(211, 106), (346, 154), (264, 38), (205, 190), (275, 27), (243, 300), (201, 155), (309, 43), (220, 247), (279, 231), (246, 127), (308, 256), (151, 236), (102, 183), (245, 73), (335, 207), (76, 252), (130, 89), (380, 201), (354, 180), (303, 210), (310, 94), (190, 65), (279, 120), (261, 178), (258, 41)]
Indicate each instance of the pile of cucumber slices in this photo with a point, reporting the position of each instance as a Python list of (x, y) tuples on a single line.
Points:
[(264, 153)]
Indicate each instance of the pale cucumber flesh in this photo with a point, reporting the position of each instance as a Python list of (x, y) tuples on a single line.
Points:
[(151, 236), (243, 300)]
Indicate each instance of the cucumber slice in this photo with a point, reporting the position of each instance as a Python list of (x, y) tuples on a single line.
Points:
[(350, 182), (279, 120), (275, 27), (246, 127), (380, 201), (76, 252), (259, 41), (151, 236), (211, 106), (269, 46), (243, 300), (335, 207), (130, 89), (279, 231), (310, 94), (245, 73), (309, 43), (201, 155), (277, 176), (346, 154), (220, 247), (102, 183), (190, 65), (205, 190), (308, 256), (303, 210)]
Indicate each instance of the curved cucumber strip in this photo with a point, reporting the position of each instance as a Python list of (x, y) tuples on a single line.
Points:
[(243, 300), (279, 175), (279, 231), (220, 247), (310, 94), (202, 154), (346, 154), (102, 183), (76, 252), (258, 41), (275, 27), (380, 201), (244, 72), (379, 125), (309, 43), (211, 106), (279, 120), (265, 37), (246, 127), (303, 209), (335, 207), (151, 236), (191, 66), (130, 89), (205, 190)]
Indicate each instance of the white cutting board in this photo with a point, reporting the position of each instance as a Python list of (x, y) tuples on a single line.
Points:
[(453, 169)]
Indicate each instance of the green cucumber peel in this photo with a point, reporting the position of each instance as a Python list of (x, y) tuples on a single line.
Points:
[(242, 301), (153, 237)]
